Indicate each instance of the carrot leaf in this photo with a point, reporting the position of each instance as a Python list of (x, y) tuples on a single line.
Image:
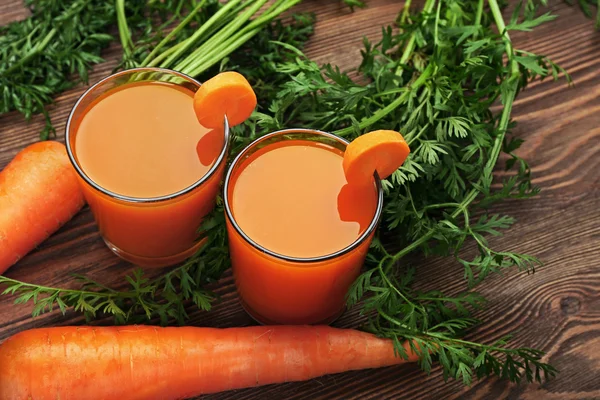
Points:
[(40, 55)]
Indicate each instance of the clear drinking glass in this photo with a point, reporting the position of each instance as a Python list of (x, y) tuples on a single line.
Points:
[(150, 232), (279, 289)]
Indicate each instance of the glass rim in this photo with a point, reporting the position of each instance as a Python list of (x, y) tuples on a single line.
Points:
[(132, 199), (370, 229)]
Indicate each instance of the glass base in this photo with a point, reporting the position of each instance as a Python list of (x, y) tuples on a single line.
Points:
[(266, 321), (154, 262)]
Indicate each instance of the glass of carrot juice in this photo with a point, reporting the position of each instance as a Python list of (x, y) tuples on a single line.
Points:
[(149, 170), (298, 233)]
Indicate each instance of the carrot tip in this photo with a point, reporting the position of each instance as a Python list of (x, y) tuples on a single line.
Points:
[(382, 151)]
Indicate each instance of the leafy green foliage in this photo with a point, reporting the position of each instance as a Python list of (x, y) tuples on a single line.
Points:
[(40, 56), (209, 32)]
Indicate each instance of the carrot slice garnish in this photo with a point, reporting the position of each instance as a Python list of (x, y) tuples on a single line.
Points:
[(226, 94), (383, 151)]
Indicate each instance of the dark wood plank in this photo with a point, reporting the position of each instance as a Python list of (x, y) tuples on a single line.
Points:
[(557, 309)]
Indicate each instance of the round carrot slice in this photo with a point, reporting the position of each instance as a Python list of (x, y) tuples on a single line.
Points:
[(226, 94), (382, 151)]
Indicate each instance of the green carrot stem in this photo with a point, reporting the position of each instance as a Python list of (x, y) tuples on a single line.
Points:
[(410, 46), (221, 36), (195, 70), (198, 34), (155, 62), (207, 33), (205, 58), (124, 32), (175, 30)]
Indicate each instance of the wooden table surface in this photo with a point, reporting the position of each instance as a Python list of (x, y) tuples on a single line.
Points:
[(557, 309)]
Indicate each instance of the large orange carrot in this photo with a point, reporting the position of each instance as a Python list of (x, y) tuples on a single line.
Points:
[(39, 192), (142, 362)]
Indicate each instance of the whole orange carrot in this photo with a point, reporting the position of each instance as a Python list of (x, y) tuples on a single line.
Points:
[(38, 194), (142, 362)]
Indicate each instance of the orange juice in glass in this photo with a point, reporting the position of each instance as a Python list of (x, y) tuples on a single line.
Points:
[(149, 171), (298, 233)]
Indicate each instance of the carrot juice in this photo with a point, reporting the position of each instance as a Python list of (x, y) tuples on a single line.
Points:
[(298, 233), (149, 171)]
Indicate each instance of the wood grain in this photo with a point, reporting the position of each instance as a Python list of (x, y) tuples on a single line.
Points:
[(557, 309)]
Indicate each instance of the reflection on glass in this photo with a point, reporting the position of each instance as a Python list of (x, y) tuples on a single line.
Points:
[(209, 146), (356, 204)]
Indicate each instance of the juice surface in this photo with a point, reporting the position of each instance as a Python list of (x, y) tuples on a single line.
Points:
[(143, 140), (292, 198)]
